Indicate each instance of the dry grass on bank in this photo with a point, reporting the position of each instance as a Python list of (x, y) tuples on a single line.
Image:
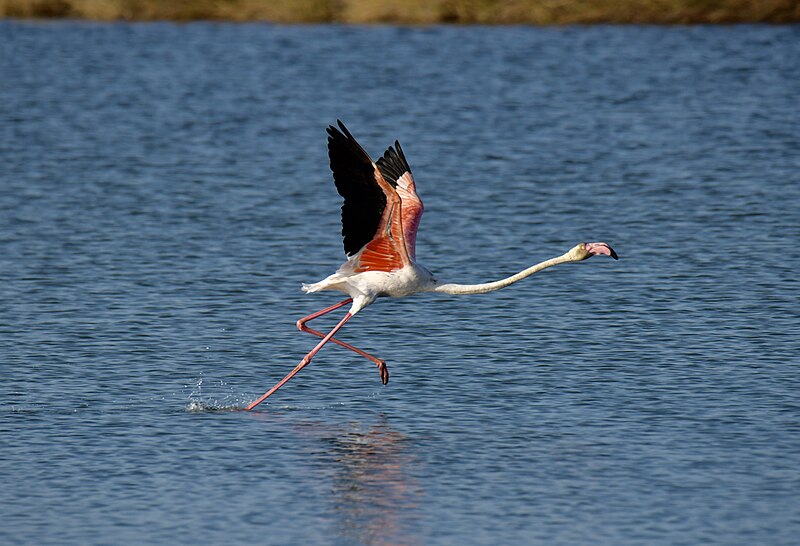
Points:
[(537, 12)]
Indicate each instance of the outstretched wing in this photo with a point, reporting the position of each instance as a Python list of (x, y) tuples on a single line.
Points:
[(371, 213), (395, 170)]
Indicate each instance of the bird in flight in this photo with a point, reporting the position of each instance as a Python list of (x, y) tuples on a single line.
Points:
[(380, 217)]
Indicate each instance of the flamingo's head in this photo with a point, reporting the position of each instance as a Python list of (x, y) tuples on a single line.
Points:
[(584, 251)]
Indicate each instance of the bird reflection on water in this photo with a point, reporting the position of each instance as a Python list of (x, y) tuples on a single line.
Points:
[(374, 496)]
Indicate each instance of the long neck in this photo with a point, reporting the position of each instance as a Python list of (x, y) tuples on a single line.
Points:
[(452, 288)]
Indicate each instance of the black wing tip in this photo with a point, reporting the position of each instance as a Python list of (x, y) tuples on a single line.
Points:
[(402, 155), (393, 164), (342, 139), (333, 132), (341, 130)]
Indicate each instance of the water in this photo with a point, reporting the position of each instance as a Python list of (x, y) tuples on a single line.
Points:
[(165, 190)]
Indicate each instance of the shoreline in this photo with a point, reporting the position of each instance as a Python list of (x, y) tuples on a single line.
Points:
[(414, 12)]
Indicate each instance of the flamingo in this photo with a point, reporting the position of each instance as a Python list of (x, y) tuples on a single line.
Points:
[(380, 217)]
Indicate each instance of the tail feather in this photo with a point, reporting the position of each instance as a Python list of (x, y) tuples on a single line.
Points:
[(307, 288), (332, 282)]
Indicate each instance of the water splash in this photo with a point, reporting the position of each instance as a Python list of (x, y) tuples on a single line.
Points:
[(197, 404)]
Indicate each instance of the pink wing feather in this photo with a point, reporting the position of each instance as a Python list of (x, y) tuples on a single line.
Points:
[(411, 211), (395, 170)]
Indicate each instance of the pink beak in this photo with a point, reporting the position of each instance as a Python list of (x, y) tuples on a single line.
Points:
[(600, 249)]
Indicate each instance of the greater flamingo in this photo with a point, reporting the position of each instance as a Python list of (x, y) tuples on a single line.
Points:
[(380, 216)]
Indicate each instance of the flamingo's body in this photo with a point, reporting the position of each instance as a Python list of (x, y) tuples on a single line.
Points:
[(380, 217)]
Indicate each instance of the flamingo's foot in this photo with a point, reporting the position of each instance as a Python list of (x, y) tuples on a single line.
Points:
[(384, 371)]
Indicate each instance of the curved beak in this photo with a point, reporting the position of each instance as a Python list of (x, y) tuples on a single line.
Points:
[(601, 249)]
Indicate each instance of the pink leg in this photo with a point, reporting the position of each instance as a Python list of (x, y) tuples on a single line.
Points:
[(303, 363), (301, 325), (325, 311)]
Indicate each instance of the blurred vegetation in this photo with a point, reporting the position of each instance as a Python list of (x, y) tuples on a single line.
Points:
[(537, 12)]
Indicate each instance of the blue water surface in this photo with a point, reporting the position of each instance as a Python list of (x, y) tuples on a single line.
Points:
[(164, 190)]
